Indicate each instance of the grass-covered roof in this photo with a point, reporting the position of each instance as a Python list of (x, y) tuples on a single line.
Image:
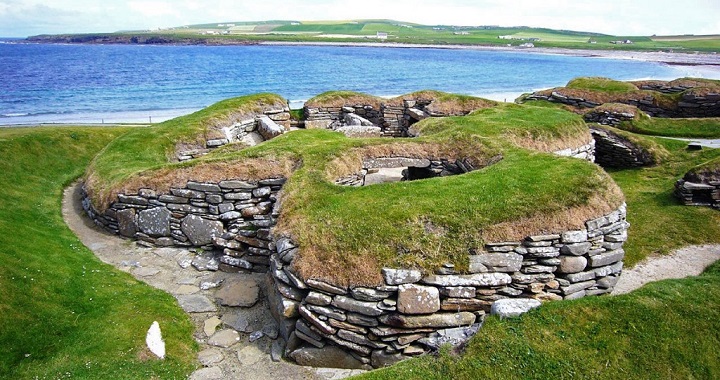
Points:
[(347, 234)]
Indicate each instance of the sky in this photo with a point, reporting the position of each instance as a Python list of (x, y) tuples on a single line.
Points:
[(21, 18)]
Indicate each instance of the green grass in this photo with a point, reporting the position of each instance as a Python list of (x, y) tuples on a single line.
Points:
[(666, 330), (691, 128), (601, 84), (504, 193), (63, 313)]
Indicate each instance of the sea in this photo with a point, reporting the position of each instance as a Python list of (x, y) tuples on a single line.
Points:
[(95, 84)]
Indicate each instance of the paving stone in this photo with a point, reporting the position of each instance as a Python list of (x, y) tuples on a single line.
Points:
[(196, 303), (210, 325), (238, 322), (224, 338), (210, 373), (240, 292), (146, 271), (250, 355), (210, 356)]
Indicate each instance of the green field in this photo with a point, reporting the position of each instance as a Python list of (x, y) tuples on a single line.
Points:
[(63, 313)]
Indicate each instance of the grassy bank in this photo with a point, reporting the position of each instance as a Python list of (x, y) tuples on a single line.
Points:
[(690, 128), (665, 330), (64, 314)]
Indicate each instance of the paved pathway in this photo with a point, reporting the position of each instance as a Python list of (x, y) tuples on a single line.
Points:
[(170, 270)]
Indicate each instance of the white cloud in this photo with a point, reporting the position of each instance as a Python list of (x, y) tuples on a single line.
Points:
[(639, 17)]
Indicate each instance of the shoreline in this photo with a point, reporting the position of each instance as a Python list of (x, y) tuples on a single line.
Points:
[(676, 59)]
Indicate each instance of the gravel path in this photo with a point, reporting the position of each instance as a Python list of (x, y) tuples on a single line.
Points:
[(688, 261), (236, 342)]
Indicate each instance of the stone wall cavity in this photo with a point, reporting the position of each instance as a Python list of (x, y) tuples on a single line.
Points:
[(698, 193), (252, 130), (412, 313), (614, 151), (231, 220), (585, 152)]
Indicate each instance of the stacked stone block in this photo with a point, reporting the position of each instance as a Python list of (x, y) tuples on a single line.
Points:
[(412, 313), (614, 151), (698, 193)]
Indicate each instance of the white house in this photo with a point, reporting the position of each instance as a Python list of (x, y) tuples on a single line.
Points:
[(381, 36)]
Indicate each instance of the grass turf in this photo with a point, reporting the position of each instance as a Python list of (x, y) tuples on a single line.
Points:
[(63, 313)]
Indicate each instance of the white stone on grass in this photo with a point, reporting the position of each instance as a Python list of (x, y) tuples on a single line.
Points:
[(154, 340)]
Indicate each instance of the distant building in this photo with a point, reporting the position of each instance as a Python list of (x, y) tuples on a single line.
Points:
[(506, 37), (381, 36), (461, 33), (295, 23), (527, 45)]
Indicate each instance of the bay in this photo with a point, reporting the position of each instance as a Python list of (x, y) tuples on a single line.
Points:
[(130, 83)]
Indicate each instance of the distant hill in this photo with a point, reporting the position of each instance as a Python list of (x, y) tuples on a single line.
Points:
[(391, 31)]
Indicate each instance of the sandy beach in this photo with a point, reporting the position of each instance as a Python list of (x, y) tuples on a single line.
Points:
[(705, 60)]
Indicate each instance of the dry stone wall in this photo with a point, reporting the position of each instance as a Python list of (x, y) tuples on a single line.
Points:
[(698, 193), (252, 130), (412, 313), (231, 220), (690, 104), (614, 151)]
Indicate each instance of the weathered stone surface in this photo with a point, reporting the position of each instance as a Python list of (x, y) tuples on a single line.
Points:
[(327, 357), (325, 287), (464, 304), (478, 279), (237, 321), (418, 299), (327, 311), (572, 264), (574, 288), (250, 355), (210, 325), (196, 303), (454, 336), (210, 356), (126, 222), (576, 249), (315, 298), (379, 359), (458, 292), (462, 318), (242, 292), (268, 128), (574, 236), (350, 304), (400, 276), (224, 338), (495, 262), (210, 373), (361, 320), (358, 131), (155, 221), (201, 231), (608, 282), (368, 294), (206, 261), (606, 258), (511, 308), (581, 276), (311, 317)]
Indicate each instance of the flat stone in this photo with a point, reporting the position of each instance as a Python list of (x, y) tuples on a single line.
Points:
[(459, 292), (581, 276), (464, 304), (577, 287), (206, 261), (418, 299), (368, 294), (224, 338), (572, 264), (186, 289), (201, 231), (350, 304), (210, 325), (268, 128), (210, 356), (315, 298), (400, 276), (495, 262), (574, 236), (250, 355), (478, 279), (237, 322), (235, 184), (462, 318), (238, 292), (607, 258), (325, 287), (204, 187), (210, 373), (196, 303), (311, 317), (511, 308), (326, 357), (576, 249), (155, 221)]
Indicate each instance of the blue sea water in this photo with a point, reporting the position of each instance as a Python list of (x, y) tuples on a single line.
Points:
[(129, 83)]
